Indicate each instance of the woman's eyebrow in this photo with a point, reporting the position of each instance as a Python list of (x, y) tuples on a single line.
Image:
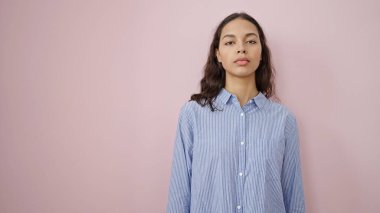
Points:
[(233, 36)]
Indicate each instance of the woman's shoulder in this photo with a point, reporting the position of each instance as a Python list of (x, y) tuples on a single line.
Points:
[(187, 108), (282, 109), (192, 109)]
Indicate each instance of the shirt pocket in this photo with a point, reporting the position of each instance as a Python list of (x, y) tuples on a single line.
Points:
[(273, 154)]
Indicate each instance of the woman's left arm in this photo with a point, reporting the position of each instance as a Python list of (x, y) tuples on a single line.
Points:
[(291, 176)]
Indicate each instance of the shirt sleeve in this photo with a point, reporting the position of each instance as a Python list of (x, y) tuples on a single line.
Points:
[(180, 180), (291, 177)]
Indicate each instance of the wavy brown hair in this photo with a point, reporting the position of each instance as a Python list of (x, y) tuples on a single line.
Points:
[(215, 76)]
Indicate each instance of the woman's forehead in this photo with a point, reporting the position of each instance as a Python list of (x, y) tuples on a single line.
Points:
[(239, 27)]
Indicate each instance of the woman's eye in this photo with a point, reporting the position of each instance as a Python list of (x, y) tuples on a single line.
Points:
[(228, 43), (252, 42)]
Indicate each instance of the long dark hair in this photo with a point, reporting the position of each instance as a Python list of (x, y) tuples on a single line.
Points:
[(215, 76)]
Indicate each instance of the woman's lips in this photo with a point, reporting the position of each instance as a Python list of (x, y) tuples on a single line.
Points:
[(242, 62)]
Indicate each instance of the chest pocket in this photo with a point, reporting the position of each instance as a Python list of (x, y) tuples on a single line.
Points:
[(266, 157)]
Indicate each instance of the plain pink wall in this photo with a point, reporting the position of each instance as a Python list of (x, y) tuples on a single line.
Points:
[(90, 93)]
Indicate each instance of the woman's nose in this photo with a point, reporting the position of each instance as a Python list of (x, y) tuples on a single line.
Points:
[(241, 48)]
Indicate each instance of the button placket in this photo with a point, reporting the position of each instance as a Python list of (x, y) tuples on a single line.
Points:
[(241, 157)]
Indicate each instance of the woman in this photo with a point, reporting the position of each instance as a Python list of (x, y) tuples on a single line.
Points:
[(236, 150)]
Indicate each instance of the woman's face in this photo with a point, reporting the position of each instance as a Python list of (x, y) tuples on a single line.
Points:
[(239, 48)]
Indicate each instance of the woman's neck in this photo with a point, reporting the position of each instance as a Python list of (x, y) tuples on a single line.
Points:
[(244, 88)]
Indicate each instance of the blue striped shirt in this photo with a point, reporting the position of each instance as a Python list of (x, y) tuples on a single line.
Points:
[(242, 159)]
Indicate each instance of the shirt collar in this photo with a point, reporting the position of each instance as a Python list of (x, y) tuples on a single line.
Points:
[(224, 97)]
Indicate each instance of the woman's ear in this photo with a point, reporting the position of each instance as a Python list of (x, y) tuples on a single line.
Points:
[(217, 55)]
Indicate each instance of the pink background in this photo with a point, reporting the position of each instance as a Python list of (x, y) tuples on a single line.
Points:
[(90, 94)]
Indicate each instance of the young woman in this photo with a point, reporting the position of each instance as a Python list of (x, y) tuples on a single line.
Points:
[(236, 150)]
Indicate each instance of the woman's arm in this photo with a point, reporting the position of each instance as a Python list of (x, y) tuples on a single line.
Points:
[(291, 177), (180, 181)]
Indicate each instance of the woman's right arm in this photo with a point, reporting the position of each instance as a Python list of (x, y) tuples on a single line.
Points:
[(180, 180)]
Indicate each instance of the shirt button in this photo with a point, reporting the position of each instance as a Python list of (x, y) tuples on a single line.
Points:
[(242, 143), (238, 207), (242, 114), (240, 173)]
